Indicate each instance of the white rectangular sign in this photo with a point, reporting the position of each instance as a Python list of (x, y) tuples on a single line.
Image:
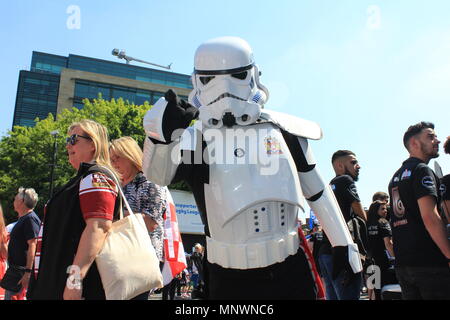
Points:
[(188, 216)]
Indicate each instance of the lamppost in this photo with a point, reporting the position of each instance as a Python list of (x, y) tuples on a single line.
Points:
[(54, 133), (121, 55)]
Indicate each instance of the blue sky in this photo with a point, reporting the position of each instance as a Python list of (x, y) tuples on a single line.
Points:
[(363, 70)]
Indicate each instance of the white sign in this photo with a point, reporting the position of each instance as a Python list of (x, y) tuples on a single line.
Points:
[(188, 216)]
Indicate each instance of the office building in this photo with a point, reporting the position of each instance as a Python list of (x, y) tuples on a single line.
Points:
[(55, 82)]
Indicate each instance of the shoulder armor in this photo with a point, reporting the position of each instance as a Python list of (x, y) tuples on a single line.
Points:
[(297, 126)]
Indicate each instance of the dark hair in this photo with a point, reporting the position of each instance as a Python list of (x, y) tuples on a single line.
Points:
[(341, 153), (372, 216), (379, 195), (414, 130), (447, 145)]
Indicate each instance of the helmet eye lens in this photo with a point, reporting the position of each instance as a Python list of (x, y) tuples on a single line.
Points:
[(240, 75), (205, 80)]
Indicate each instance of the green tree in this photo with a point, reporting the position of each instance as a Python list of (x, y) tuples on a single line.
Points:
[(26, 153)]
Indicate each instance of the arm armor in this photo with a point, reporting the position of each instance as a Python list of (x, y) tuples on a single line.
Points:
[(322, 201)]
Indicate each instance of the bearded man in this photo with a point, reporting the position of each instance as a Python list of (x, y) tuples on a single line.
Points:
[(421, 246)]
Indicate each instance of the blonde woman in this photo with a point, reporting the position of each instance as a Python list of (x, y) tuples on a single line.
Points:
[(77, 219), (144, 197)]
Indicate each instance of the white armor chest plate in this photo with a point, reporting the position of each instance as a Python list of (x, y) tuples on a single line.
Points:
[(253, 196)]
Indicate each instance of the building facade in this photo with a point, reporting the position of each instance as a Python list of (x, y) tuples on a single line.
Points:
[(56, 82)]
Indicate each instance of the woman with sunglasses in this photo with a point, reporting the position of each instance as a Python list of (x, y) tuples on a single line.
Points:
[(143, 196), (77, 219)]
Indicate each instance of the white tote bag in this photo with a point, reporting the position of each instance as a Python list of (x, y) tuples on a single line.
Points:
[(127, 263)]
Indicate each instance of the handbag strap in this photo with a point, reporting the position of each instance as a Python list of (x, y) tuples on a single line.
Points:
[(126, 202), (116, 180)]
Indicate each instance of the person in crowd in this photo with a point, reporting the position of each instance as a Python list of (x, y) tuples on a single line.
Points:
[(346, 167), (184, 283), (168, 291), (143, 196), (249, 209), (384, 197), (316, 242), (3, 250), (77, 219), (4, 240), (380, 241), (341, 284), (445, 190), (189, 283), (179, 278), (421, 246), (381, 196), (195, 266), (23, 237)]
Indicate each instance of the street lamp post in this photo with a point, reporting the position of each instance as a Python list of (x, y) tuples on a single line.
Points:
[(121, 55), (53, 165)]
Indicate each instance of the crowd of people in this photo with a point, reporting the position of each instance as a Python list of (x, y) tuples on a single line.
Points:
[(77, 219), (407, 226), (404, 235), (254, 249), (189, 283)]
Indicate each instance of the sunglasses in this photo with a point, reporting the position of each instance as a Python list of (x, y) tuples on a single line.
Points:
[(73, 139)]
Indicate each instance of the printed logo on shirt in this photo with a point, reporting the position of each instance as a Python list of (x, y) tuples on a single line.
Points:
[(406, 174), (272, 145), (100, 181), (427, 182), (97, 183), (239, 152), (399, 208), (372, 230)]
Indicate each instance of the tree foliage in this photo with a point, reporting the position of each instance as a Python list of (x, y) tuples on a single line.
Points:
[(26, 153)]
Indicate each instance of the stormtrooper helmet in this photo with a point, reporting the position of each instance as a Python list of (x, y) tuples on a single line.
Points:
[(226, 83)]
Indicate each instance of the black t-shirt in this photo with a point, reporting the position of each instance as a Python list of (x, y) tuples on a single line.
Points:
[(445, 193), (317, 240), (26, 228), (344, 189), (377, 231), (445, 187), (413, 245)]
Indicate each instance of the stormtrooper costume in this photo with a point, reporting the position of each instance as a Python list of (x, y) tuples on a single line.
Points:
[(250, 170)]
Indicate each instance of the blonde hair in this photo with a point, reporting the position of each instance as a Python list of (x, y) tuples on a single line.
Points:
[(199, 247), (128, 148), (99, 135)]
